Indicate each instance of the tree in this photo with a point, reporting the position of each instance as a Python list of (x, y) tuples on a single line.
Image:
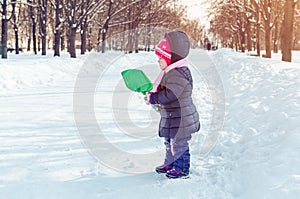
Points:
[(153, 12), (297, 26), (194, 30), (4, 30), (228, 24), (270, 12), (5, 19), (83, 31), (15, 25), (76, 12), (43, 23), (287, 30), (136, 20), (104, 31), (132, 9), (136, 17), (257, 29), (265, 7), (31, 13), (58, 25)]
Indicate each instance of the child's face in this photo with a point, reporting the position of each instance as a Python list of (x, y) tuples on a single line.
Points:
[(162, 63)]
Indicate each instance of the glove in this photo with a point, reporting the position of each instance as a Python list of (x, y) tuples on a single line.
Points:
[(146, 100), (156, 107)]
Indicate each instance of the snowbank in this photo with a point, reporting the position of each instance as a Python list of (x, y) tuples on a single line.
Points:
[(27, 72), (258, 148)]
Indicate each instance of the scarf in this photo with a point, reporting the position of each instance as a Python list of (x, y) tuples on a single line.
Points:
[(177, 64)]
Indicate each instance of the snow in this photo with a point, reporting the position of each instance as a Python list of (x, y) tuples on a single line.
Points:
[(71, 129)]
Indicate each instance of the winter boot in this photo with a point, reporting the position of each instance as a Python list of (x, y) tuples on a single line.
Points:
[(181, 166), (174, 174), (163, 168), (169, 159)]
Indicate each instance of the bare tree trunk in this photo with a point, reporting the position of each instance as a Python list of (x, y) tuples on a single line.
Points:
[(62, 42), (4, 30), (72, 47), (56, 43), (57, 32), (43, 24), (123, 47), (90, 46), (83, 35), (237, 42), (83, 29), (249, 37), (15, 25), (33, 24), (148, 48), (268, 41), (130, 41), (105, 26), (149, 29), (243, 40), (129, 47), (287, 30), (275, 42), (257, 32), (137, 34), (103, 39), (28, 42), (63, 39), (17, 41)]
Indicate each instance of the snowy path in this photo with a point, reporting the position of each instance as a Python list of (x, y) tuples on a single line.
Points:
[(41, 152), (38, 131), (211, 102)]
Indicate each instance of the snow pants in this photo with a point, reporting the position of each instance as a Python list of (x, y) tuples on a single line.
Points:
[(177, 153)]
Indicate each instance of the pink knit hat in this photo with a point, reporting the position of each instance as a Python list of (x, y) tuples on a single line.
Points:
[(163, 50)]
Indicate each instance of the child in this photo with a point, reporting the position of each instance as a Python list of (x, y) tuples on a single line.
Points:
[(173, 94)]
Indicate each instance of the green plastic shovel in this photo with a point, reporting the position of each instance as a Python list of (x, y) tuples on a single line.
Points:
[(137, 81)]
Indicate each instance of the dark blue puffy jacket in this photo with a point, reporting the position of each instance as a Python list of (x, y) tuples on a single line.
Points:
[(179, 116)]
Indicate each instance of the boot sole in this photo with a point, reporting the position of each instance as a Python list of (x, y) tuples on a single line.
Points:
[(182, 177)]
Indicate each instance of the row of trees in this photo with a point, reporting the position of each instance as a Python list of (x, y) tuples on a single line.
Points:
[(58, 24), (246, 24)]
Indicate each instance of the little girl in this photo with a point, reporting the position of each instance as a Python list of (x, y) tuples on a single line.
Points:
[(172, 92)]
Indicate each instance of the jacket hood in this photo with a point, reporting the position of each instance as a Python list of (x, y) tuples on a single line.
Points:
[(179, 45)]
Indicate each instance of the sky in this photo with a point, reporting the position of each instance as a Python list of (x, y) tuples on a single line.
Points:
[(197, 9)]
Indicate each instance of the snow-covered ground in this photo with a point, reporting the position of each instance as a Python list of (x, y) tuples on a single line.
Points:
[(70, 129)]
